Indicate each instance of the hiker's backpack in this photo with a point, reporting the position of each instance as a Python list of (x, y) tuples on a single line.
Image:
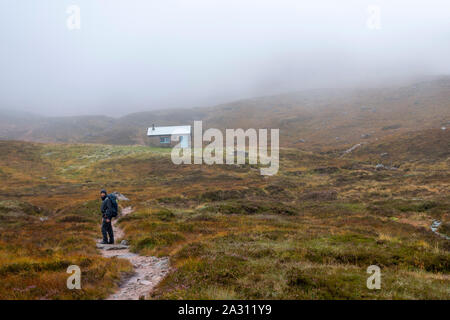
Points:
[(115, 207)]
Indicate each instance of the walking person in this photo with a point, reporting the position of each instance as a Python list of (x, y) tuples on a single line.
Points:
[(109, 211)]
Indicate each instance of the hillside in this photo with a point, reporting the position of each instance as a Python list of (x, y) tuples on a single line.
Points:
[(310, 120), (431, 144), (364, 176), (309, 232)]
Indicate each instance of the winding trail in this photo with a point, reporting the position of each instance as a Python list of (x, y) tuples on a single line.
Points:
[(148, 271)]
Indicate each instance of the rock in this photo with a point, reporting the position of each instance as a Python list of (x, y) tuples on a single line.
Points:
[(435, 225), (111, 246), (384, 154), (43, 219), (145, 282), (365, 136), (301, 140), (383, 167), (353, 148), (124, 242), (443, 128), (126, 255), (120, 196)]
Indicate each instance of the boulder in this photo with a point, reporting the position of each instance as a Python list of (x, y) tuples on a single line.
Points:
[(120, 196)]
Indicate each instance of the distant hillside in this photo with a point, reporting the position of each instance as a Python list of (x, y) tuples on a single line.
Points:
[(313, 119), (431, 144)]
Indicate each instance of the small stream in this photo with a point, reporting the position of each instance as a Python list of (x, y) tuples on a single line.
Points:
[(434, 227)]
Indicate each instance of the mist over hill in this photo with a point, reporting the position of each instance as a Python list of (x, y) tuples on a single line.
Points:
[(307, 120)]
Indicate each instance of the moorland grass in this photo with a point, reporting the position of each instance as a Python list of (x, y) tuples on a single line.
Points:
[(309, 232)]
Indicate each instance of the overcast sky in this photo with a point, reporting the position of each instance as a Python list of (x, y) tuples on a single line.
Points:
[(137, 55)]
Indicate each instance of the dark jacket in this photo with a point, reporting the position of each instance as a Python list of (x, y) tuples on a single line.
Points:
[(107, 208)]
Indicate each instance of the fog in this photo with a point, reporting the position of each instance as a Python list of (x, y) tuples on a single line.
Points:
[(140, 55)]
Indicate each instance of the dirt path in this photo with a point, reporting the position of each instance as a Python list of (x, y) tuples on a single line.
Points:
[(148, 271)]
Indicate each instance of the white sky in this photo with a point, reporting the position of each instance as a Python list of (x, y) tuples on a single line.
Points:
[(139, 55)]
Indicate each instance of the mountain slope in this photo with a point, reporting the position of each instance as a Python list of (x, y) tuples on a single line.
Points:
[(308, 120)]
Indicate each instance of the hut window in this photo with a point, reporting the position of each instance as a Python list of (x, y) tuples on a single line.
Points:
[(164, 140)]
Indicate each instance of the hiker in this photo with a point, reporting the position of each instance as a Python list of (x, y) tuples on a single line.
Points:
[(109, 210)]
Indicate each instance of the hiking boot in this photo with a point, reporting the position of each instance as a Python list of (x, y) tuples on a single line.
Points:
[(104, 242), (111, 242)]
